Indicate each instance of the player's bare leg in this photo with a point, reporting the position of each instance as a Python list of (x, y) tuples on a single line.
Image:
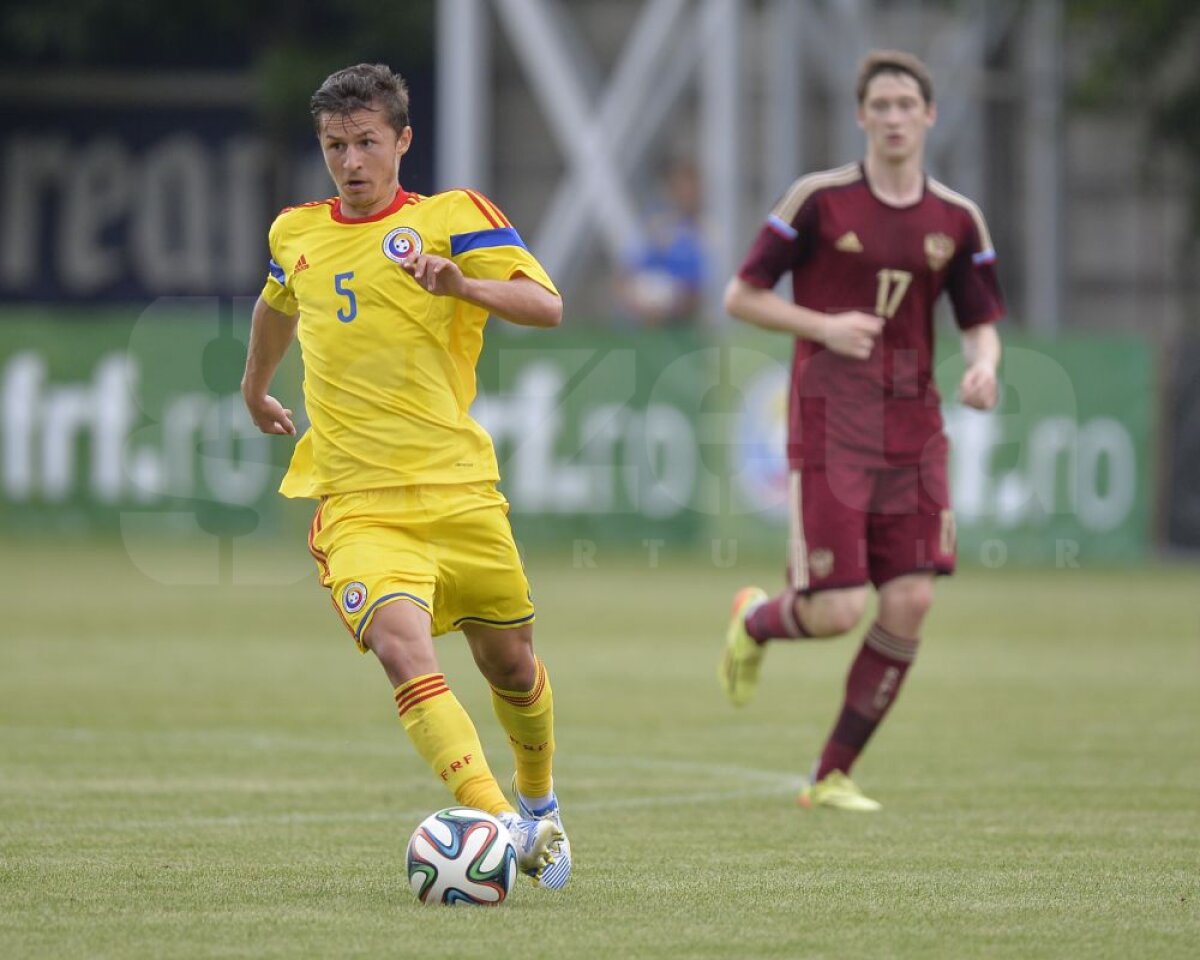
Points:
[(440, 729), (874, 681), (524, 704), (399, 636), (791, 615), (830, 613), (504, 657), (905, 602)]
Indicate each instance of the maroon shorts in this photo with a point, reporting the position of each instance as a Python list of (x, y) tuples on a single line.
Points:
[(850, 525)]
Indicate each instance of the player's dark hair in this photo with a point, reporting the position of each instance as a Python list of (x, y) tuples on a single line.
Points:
[(894, 61), (365, 86)]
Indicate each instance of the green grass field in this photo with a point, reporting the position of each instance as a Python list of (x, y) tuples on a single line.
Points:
[(214, 772)]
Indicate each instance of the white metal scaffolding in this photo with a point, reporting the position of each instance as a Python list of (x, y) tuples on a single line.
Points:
[(744, 61)]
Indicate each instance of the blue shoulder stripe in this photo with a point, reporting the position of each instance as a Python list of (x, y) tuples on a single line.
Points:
[(276, 272), (476, 239), (782, 227)]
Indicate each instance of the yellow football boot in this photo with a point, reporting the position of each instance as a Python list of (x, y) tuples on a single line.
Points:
[(742, 657), (838, 791)]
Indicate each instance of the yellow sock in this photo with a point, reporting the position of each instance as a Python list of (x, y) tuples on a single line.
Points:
[(444, 735), (528, 718)]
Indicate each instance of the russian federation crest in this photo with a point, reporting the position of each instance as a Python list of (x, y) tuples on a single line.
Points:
[(939, 248), (820, 562)]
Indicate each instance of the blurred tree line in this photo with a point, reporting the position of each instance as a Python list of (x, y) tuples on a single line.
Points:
[(1147, 59), (288, 47), (1146, 50)]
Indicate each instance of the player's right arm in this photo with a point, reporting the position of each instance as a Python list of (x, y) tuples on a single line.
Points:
[(850, 334), (489, 265), (518, 300), (272, 329), (271, 333), (785, 241)]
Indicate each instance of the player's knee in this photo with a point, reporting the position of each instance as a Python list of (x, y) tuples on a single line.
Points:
[(834, 613), (514, 676), (911, 599), (845, 615), (510, 673), (505, 657), (922, 599), (404, 649)]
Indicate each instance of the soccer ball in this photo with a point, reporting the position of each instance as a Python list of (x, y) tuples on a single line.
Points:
[(460, 855)]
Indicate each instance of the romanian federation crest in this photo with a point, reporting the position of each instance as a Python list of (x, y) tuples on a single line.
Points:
[(401, 243), (354, 596)]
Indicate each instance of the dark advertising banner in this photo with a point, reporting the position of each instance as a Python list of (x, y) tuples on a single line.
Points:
[(133, 203)]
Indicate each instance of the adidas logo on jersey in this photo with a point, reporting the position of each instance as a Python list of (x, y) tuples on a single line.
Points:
[(848, 242), (301, 264)]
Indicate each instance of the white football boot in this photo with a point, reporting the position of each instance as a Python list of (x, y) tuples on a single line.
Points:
[(534, 839), (555, 874)]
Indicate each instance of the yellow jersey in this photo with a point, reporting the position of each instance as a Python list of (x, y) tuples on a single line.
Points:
[(389, 369)]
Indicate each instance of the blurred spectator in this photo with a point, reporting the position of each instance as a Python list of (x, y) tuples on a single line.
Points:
[(661, 283)]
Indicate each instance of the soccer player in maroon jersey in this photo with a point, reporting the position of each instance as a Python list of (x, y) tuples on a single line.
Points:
[(870, 246)]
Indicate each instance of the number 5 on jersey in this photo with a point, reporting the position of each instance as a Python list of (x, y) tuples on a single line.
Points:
[(341, 286)]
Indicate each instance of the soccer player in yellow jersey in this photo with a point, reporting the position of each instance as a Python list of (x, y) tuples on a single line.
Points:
[(389, 293)]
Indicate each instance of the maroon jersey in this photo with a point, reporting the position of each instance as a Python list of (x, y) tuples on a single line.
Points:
[(848, 250)]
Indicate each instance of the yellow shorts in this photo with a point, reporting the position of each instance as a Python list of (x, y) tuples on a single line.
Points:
[(448, 549)]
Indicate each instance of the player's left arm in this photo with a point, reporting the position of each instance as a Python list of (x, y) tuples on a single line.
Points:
[(978, 303), (519, 299), (981, 350)]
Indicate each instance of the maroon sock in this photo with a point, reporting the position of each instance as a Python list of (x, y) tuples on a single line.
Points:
[(871, 687), (776, 619)]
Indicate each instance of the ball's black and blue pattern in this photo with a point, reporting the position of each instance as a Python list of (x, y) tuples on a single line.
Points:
[(461, 856)]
